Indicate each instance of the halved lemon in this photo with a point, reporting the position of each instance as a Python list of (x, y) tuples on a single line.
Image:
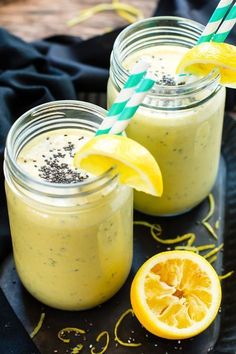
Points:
[(176, 294), (134, 163), (203, 58)]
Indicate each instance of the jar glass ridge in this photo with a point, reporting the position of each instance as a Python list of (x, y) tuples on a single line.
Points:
[(156, 31)]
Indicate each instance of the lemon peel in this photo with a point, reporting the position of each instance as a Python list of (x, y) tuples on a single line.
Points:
[(104, 333), (38, 326), (68, 330), (129, 17), (210, 229), (156, 230), (187, 248), (217, 224), (206, 247), (214, 251), (211, 211), (211, 208), (212, 259), (227, 275), (117, 339), (129, 12), (77, 349)]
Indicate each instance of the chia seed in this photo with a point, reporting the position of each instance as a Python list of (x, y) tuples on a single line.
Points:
[(167, 80), (56, 170)]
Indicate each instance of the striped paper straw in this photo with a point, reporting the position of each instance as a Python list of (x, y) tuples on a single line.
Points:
[(215, 21), (133, 104), (227, 25), (137, 73)]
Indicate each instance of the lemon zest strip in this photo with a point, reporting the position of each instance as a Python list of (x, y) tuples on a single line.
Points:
[(211, 208), (157, 227), (129, 18), (105, 346), (77, 349), (187, 248), (107, 29), (210, 229), (192, 238), (217, 224), (211, 211), (69, 329), (156, 230), (196, 249), (117, 339), (171, 241), (227, 275), (214, 251), (212, 259), (38, 326), (87, 13), (205, 247)]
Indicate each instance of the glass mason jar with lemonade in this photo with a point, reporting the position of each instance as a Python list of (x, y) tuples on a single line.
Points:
[(180, 120), (72, 232)]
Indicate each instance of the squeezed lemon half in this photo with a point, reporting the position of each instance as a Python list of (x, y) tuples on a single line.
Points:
[(176, 294)]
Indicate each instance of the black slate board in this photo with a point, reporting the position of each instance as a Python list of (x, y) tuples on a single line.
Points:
[(219, 338)]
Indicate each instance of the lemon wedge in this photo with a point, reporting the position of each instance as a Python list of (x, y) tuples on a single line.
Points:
[(176, 294), (134, 163), (203, 58)]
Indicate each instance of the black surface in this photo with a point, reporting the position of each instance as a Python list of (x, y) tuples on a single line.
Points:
[(104, 317), (14, 338)]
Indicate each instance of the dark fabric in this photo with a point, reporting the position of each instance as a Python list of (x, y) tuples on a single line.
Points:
[(53, 69), (13, 337)]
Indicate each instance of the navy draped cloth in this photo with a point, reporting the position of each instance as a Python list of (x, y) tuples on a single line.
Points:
[(58, 68)]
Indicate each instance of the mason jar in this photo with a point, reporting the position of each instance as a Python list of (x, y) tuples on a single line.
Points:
[(72, 243), (179, 122)]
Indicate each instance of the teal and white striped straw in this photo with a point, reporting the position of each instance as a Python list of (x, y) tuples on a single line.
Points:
[(215, 21), (226, 27), (133, 104), (137, 73)]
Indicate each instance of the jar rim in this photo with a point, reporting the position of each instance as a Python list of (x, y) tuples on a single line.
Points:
[(163, 90), (23, 178)]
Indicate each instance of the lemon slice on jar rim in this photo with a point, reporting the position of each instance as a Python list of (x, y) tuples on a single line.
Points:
[(203, 58), (134, 163), (176, 294)]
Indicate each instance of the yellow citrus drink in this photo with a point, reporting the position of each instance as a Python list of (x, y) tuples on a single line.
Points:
[(72, 250), (180, 122)]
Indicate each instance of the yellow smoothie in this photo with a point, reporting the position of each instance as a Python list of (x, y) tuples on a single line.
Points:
[(185, 141), (75, 252)]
